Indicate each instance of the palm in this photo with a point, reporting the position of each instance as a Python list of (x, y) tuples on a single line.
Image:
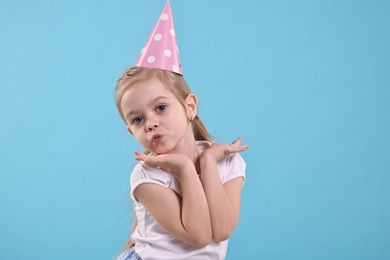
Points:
[(173, 163), (218, 151)]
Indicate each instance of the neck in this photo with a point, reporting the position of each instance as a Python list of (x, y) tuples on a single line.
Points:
[(187, 146), (191, 150), (194, 154)]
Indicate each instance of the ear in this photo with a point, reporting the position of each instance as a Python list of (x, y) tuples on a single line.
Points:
[(128, 129), (191, 106)]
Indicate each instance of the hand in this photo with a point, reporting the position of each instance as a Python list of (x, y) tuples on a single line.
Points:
[(173, 163), (218, 151)]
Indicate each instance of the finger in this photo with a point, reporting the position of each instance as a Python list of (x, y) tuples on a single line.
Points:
[(136, 152), (139, 156), (236, 149), (242, 147), (237, 142), (151, 161)]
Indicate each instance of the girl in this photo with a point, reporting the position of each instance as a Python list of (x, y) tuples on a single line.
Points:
[(185, 189)]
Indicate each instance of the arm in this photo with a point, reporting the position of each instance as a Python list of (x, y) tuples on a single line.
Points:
[(223, 199), (188, 217)]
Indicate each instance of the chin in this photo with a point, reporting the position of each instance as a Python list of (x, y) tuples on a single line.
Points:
[(162, 150), (158, 150)]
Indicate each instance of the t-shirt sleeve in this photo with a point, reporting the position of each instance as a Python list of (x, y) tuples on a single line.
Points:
[(233, 166), (144, 174)]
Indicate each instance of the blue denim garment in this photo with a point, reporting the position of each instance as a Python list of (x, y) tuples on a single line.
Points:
[(129, 254)]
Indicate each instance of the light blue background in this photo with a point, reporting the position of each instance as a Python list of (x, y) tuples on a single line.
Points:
[(305, 82)]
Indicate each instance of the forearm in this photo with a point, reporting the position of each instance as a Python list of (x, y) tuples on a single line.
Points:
[(223, 215), (195, 209)]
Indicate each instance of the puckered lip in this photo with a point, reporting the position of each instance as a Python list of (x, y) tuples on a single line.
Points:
[(157, 138)]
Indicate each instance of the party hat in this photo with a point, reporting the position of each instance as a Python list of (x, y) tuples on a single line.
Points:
[(160, 50)]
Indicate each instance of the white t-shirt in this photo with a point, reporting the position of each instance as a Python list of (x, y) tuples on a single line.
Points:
[(151, 240)]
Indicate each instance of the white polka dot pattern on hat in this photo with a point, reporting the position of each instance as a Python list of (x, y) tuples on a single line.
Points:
[(164, 17), (157, 37), (167, 53), (151, 59), (172, 31), (175, 68)]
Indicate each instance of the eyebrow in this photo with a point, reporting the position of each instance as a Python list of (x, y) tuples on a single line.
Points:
[(154, 100)]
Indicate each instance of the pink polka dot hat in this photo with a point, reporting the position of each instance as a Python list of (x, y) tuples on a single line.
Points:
[(160, 50)]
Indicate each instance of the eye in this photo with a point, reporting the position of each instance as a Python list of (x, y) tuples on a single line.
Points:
[(137, 120), (160, 108)]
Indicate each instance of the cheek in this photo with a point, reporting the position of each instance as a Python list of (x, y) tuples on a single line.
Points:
[(181, 123), (136, 134)]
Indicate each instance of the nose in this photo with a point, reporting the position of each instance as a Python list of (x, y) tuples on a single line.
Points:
[(152, 124)]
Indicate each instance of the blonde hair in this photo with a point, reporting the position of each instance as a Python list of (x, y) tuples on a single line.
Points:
[(174, 83)]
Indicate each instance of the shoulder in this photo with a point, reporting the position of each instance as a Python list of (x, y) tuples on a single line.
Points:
[(144, 174), (141, 172), (233, 162), (231, 166)]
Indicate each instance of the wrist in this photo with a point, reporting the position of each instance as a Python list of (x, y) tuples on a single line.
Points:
[(207, 160), (187, 168), (207, 157)]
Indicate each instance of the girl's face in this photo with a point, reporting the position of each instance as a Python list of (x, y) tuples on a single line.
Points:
[(156, 118)]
